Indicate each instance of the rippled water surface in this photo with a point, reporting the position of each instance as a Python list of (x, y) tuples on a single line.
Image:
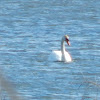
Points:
[(31, 29)]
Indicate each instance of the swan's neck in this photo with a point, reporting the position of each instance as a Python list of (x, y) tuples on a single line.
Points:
[(63, 49)]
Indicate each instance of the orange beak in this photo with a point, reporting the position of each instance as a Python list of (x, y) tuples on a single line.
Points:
[(68, 43)]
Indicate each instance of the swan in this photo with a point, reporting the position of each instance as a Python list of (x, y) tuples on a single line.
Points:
[(61, 55)]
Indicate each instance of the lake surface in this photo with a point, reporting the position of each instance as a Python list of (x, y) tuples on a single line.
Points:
[(31, 29)]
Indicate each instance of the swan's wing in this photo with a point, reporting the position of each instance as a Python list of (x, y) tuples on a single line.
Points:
[(55, 56), (68, 57)]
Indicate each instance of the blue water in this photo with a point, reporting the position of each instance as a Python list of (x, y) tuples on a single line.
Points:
[(31, 29)]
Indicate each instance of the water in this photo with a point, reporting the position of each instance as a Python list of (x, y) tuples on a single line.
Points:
[(31, 29)]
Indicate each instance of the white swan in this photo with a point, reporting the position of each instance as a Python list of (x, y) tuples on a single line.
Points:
[(62, 55)]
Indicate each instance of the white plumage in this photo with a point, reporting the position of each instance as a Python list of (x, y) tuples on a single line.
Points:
[(57, 56)]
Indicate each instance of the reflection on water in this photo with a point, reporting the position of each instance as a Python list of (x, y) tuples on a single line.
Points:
[(30, 30)]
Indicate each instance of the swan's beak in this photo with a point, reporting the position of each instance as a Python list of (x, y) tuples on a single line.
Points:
[(68, 43), (67, 40)]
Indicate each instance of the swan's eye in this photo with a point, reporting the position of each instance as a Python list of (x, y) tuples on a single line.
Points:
[(67, 39)]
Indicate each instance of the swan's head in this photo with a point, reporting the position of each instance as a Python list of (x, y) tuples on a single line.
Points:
[(67, 39)]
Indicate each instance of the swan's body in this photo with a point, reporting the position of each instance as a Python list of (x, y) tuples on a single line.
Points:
[(62, 55)]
